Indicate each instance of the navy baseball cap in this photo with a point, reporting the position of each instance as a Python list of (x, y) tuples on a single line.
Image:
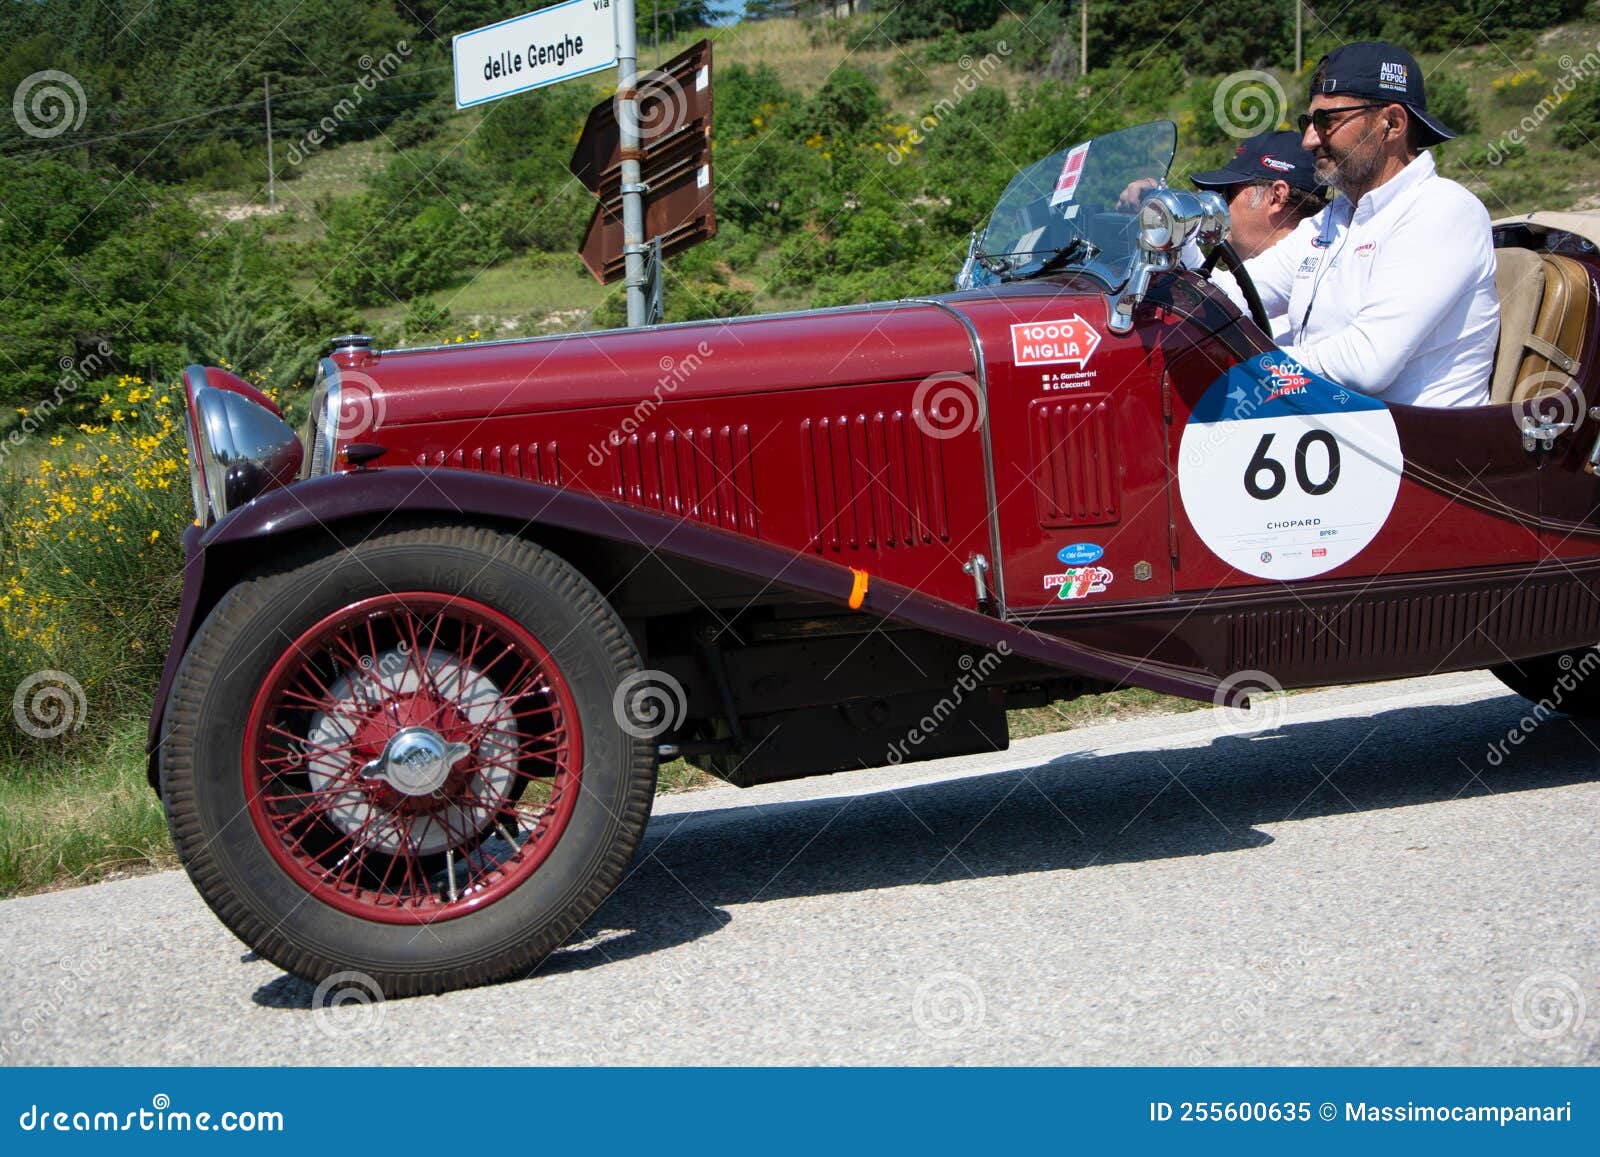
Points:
[(1269, 156), (1378, 70)]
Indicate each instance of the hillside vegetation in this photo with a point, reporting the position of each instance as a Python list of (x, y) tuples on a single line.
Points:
[(852, 158)]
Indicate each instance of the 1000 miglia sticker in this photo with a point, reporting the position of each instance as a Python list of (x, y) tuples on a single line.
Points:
[(1285, 474)]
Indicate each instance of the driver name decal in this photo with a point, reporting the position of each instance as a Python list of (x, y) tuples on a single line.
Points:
[(1284, 474), (1065, 341)]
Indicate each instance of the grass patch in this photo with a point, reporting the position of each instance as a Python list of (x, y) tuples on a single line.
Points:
[(531, 293), (81, 820), (1093, 709)]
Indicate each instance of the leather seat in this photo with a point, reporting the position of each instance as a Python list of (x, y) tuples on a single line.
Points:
[(1544, 316)]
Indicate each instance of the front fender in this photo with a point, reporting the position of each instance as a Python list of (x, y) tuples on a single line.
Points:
[(329, 501)]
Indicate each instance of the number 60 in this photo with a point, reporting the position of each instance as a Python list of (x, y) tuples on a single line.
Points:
[(1277, 476)]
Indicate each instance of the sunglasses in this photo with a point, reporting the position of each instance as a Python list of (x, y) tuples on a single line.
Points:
[(1323, 118)]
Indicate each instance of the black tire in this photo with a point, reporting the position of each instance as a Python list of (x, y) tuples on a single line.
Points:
[(1568, 681), (203, 761)]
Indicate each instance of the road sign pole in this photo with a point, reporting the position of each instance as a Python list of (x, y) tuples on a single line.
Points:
[(633, 244)]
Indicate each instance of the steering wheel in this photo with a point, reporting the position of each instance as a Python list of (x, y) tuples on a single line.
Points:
[(1228, 257)]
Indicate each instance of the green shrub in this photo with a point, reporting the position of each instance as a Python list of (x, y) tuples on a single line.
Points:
[(1451, 101), (1578, 118)]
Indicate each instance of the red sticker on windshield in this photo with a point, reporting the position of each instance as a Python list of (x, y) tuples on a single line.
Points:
[(1071, 170)]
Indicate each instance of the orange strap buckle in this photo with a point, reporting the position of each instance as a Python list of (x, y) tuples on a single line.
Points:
[(858, 589)]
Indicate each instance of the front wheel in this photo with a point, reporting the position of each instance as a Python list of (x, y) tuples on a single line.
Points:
[(401, 759), (1568, 682)]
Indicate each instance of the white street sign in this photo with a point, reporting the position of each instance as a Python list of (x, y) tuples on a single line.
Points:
[(544, 47)]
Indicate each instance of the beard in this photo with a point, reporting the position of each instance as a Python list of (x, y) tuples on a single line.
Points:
[(1354, 171)]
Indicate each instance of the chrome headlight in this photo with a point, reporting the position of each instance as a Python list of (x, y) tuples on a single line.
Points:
[(1167, 219), (1214, 220), (238, 448)]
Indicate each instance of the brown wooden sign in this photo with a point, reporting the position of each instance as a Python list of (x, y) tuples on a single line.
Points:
[(674, 128)]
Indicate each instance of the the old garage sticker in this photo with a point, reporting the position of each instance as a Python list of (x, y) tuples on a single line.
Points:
[(1285, 474)]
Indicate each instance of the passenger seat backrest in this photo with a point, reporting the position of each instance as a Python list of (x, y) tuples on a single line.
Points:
[(1545, 301), (1553, 348), (1519, 278)]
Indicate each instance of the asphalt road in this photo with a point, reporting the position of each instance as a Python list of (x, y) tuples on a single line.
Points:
[(1358, 885)]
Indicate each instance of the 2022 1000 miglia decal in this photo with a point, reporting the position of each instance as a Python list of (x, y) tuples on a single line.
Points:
[(1285, 474)]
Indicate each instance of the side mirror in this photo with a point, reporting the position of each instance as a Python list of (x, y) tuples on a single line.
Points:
[(967, 278)]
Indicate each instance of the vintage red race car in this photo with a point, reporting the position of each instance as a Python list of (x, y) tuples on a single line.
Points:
[(430, 653)]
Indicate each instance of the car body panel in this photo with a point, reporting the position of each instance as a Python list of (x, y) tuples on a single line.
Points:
[(801, 449)]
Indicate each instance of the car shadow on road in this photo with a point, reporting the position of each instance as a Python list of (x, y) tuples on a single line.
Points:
[(1079, 811), (1076, 812)]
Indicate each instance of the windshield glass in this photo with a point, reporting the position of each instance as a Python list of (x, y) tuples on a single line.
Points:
[(1062, 212)]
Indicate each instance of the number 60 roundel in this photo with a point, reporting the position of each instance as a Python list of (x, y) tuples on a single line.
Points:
[(1284, 474)]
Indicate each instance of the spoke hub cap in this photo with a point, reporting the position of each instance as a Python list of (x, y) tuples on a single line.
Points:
[(416, 761)]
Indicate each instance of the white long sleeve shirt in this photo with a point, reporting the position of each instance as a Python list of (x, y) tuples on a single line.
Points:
[(1395, 296)]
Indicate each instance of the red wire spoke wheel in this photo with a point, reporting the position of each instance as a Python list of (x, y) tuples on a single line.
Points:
[(401, 757), (412, 757)]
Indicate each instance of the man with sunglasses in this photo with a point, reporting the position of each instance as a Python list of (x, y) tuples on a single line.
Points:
[(1390, 289), (1270, 185)]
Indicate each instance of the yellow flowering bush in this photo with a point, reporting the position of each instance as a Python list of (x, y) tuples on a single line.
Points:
[(91, 547), (1514, 87)]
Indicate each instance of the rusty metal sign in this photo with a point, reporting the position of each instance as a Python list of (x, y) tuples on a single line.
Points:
[(674, 129)]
